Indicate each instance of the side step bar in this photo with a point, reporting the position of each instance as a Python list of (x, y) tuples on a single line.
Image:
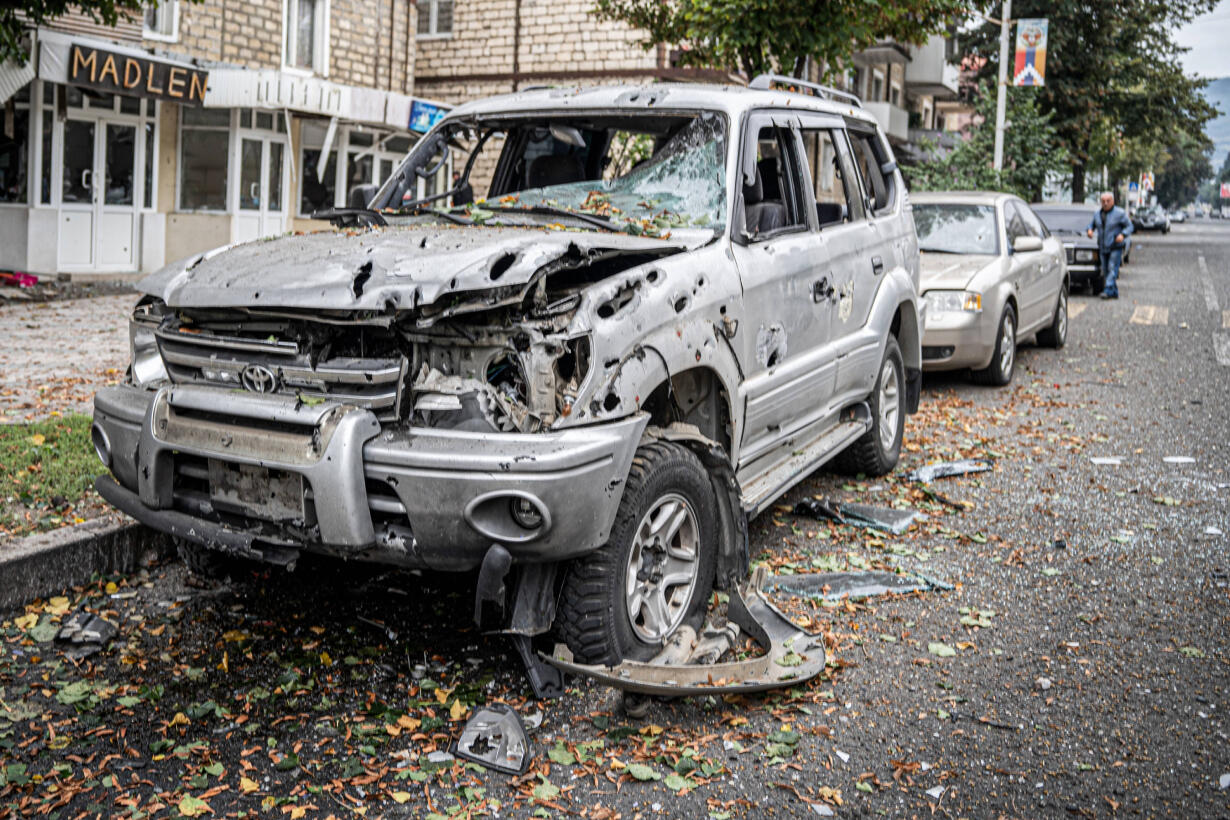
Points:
[(759, 494)]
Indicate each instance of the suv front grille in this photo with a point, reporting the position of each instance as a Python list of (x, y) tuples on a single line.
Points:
[(281, 367)]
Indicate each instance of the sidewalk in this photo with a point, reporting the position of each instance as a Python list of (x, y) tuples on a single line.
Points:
[(57, 354)]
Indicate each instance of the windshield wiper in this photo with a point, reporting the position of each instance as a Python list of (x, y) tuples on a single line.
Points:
[(549, 210), (346, 217), (936, 250)]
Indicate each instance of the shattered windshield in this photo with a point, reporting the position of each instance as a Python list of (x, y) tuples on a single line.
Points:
[(966, 229), (1064, 221), (638, 173)]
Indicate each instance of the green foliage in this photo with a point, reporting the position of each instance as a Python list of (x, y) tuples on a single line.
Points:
[(15, 18), (1185, 165), (762, 35), (1112, 64), (44, 467), (1029, 152)]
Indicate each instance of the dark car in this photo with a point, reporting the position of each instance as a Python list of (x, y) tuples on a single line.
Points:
[(1069, 223)]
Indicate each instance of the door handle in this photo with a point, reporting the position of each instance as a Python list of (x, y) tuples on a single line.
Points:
[(877, 265), (253, 192), (822, 290), (86, 175)]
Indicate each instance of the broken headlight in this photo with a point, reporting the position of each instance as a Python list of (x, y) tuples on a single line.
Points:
[(954, 301), (147, 368)]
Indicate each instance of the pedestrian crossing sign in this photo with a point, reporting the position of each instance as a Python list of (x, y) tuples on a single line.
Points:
[(1030, 68)]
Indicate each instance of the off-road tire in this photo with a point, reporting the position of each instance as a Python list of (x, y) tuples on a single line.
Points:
[(211, 564), (592, 618), (868, 454), (1056, 335), (995, 374)]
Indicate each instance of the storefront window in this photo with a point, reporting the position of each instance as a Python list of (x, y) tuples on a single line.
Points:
[(204, 147), (14, 154), (317, 192)]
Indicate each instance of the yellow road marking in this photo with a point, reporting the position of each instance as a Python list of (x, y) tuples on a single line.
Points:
[(1150, 315), (1079, 308)]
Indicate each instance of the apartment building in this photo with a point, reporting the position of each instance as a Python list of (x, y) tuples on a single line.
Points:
[(199, 125)]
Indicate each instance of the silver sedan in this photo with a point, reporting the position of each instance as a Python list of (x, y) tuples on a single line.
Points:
[(991, 275)]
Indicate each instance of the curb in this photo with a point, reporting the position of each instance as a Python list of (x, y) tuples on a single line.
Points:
[(40, 564)]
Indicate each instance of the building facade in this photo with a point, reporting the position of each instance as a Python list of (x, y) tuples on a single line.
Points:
[(199, 125)]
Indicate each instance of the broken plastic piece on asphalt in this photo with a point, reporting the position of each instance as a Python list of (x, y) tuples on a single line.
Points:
[(1107, 461), (858, 515), (833, 586), (1179, 460), (1213, 531), (495, 738), (86, 633), (822, 810), (947, 469), (792, 656), (845, 758), (1224, 782), (936, 792), (1043, 683), (436, 760)]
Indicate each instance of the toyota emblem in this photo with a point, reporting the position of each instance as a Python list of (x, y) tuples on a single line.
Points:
[(259, 379)]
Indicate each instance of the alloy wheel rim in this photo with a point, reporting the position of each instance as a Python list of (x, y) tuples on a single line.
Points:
[(890, 391), (663, 568), (1007, 346), (1063, 317)]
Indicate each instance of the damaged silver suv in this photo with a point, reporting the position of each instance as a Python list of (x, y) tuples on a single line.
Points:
[(667, 306)]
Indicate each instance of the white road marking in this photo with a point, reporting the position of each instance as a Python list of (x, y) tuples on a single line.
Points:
[(1150, 315), (1221, 348), (1206, 282), (1225, 319), (1079, 308)]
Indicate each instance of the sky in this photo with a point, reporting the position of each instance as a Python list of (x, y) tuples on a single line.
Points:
[(1207, 37)]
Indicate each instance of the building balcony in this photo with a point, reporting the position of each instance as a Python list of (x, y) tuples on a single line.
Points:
[(929, 71), (894, 119)]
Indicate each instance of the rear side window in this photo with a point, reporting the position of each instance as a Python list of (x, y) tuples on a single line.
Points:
[(878, 184), (837, 197), (771, 202), (1032, 223)]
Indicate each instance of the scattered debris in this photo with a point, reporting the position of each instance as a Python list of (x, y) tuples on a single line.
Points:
[(868, 516), (791, 657), (1044, 683), (937, 792), (845, 758), (1106, 461), (18, 279), (1179, 460), (86, 634), (1213, 531), (1224, 782), (948, 469), (833, 586), (495, 738)]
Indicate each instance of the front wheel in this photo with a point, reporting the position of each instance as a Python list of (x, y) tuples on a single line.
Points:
[(655, 572), (1003, 360), (876, 451), (1056, 335)]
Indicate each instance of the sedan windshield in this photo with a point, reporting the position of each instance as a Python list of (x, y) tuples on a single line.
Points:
[(640, 173), (1065, 221), (952, 228)]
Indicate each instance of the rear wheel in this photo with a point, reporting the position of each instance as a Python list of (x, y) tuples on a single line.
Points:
[(1003, 361), (877, 451), (1056, 335), (655, 572)]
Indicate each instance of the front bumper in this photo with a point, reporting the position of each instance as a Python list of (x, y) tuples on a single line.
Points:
[(419, 497), (952, 340)]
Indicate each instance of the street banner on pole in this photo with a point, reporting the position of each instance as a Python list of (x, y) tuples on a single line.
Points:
[(1225, 190), (1030, 67), (1146, 181)]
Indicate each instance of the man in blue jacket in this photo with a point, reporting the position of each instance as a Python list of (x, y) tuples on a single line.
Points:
[(1112, 228)]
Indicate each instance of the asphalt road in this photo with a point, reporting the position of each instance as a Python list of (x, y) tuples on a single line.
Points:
[(1092, 675)]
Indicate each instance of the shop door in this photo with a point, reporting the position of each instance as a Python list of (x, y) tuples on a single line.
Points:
[(98, 210), (262, 206)]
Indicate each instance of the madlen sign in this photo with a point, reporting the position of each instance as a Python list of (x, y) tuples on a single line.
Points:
[(136, 76)]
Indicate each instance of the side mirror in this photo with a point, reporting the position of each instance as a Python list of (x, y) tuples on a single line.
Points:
[(1026, 244)]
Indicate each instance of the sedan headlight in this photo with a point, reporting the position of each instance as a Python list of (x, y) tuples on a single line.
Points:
[(1085, 255), (147, 367), (954, 301)]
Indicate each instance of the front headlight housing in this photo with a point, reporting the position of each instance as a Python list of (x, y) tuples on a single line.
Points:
[(147, 368), (1085, 255), (954, 301)]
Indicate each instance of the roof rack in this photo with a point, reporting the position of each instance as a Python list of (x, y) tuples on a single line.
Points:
[(766, 81)]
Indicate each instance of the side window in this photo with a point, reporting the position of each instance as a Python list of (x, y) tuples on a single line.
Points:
[(869, 166), (1032, 223), (1014, 223), (770, 203), (837, 198)]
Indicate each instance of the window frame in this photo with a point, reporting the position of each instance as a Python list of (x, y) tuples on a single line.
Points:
[(168, 6), (790, 142), (855, 211), (230, 130), (434, 17), (1010, 209), (320, 34), (33, 172)]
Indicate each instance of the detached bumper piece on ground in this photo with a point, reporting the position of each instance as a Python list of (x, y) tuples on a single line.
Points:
[(495, 738), (791, 656)]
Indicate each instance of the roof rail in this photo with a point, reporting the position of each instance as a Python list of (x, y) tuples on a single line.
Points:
[(766, 81)]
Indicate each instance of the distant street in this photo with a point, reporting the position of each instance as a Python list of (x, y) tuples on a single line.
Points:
[(1091, 675)]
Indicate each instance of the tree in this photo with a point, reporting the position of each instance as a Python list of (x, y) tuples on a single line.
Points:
[(1185, 166), (764, 35), (15, 18), (1029, 155), (1109, 63)]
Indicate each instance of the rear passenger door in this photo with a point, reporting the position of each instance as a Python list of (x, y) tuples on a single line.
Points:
[(1049, 279), (1027, 267), (783, 329)]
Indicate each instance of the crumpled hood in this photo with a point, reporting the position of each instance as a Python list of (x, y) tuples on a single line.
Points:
[(950, 271), (379, 269)]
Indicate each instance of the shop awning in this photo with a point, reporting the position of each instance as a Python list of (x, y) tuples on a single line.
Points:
[(14, 76)]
